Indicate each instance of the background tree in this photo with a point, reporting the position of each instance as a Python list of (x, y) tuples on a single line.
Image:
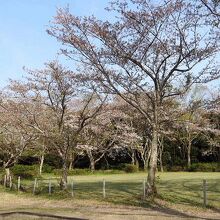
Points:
[(15, 136)]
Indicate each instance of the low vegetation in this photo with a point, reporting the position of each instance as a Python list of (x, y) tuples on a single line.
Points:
[(182, 188)]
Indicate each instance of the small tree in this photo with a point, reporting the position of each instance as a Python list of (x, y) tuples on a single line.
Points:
[(15, 137)]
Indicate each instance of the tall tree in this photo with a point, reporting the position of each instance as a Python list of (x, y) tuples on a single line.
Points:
[(152, 51)]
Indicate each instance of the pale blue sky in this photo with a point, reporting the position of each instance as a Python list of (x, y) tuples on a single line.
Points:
[(23, 37)]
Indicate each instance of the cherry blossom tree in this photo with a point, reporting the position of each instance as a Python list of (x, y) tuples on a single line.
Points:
[(153, 51)]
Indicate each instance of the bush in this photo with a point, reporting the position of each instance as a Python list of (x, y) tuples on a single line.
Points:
[(53, 161), (79, 172), (204, 167), (130, 168), (72, 172), (87, 172), (25, 171), (57, 172), (47, 168), (176, 168)]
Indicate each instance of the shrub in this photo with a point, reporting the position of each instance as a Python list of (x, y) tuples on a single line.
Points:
[(72, 172), (79, 172), (87, 172), (204, 167), (57, 172), (47, 168), (130, 168), (24, 171), (53, 161), (176, 168)]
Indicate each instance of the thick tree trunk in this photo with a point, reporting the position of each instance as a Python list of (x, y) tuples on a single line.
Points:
[(150, 186), (92, 165), (8, 176), (133, 158), (41, 164), (91, 160), (63, 181)]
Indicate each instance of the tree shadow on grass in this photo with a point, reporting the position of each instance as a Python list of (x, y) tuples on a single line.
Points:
[(190, 193), (186, 192), (174, 212)]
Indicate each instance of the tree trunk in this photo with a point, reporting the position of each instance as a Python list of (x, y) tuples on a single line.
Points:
[(136, 162), (189, 154), (8, 175), (147, 159), (41, 164), (161, 154), (133, 158), (150, 186), (91, 160), (92, 165), (63, 181), (71, 164), (107, 164), (161, 162), (145, 165)]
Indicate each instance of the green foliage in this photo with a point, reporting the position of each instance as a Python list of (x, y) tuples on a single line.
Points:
[(53, 161), (176, 168), (47, 168), (205, 167), (81, 172), (130, 168), (25, 171)]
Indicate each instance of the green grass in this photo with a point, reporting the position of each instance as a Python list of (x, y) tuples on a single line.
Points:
[(177, 188)]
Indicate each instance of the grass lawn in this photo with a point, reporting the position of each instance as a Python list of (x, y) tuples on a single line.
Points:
[(177, 188), (182, 188), (179, 194)]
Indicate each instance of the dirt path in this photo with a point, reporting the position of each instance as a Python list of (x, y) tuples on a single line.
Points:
[(97, 210)]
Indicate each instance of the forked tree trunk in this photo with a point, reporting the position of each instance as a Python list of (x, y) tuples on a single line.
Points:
[(146, 160), (150, 186)]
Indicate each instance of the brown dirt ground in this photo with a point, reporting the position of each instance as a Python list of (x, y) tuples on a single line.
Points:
[(100, 210)]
